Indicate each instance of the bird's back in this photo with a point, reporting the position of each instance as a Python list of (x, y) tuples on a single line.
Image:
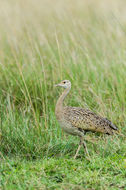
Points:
[(85, 120)]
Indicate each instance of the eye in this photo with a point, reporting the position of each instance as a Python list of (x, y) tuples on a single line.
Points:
[(64, 82)]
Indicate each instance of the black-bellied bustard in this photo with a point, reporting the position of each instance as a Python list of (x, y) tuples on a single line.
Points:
[(77, 121)]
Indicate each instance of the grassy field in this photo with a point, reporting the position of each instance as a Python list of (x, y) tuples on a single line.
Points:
[(41, 43)]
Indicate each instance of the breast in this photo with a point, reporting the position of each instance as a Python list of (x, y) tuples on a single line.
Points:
[(68, 128), (66, 124)]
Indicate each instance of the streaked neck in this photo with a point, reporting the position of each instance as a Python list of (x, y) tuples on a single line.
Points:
[(59, 104)]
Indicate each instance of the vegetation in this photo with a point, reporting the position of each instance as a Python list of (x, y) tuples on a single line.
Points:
[(41, 43)]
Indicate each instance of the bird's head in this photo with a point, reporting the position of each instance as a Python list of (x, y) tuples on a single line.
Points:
[(64, 84)]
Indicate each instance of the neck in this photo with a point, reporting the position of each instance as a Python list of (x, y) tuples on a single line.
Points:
[(59, 104)]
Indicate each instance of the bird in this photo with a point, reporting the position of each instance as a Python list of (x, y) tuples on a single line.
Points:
[(77, 121)]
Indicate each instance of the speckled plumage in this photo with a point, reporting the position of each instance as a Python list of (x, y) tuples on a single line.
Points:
[(77, 121), (85, 120)]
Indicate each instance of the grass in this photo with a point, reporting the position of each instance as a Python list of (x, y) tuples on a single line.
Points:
[(63, 173), (42, 43)]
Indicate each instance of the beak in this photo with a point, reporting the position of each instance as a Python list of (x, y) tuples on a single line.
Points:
[(56, 85)]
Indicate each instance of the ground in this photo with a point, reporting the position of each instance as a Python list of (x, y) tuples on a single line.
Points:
[(58, 169)]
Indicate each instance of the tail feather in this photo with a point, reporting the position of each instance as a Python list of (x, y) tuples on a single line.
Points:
[(114, 127)]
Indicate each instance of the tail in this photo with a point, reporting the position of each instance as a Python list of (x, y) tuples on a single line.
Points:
[(114, 127)]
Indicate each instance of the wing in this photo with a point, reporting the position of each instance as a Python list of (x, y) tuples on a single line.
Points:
[(86, 120)]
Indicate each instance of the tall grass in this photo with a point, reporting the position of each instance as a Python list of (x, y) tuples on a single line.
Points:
[(43, 42)]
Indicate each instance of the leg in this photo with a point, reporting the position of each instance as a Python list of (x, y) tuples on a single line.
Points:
[(86, 150), (81, 142), (85, 147)]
